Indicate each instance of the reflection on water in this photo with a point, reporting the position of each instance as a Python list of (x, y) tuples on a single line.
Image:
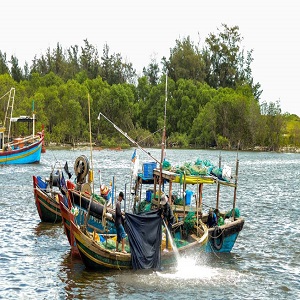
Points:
[(48, 229)]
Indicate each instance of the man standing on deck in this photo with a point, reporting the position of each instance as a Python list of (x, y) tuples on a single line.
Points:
[(119, 224)]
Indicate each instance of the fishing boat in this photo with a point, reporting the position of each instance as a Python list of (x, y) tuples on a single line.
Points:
[(84, 207), (19, 150), (223, 234), (47, 195), (145, 248)]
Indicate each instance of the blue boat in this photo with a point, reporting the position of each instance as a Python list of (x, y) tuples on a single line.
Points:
[(224, 231), (19, 150)]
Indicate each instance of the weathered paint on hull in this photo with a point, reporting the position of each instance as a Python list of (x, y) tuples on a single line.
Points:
[(226, 237), (227, 245), (97, 258), (48, 208), (65, 214)]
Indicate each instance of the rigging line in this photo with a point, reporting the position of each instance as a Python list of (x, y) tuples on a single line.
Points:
[(128, 137), (150, 135)]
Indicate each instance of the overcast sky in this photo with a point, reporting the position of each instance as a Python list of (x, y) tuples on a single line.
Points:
[(140, 30)]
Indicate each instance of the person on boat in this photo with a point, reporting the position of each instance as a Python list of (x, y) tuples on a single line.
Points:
[(220, 219), (119, 224), (105, 192), (212, 218), (167, 215)]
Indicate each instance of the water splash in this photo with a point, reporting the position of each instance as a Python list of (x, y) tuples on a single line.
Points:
[(174, 247), (188, 269)]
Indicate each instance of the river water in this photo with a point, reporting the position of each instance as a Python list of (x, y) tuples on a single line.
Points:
[(35, 260)]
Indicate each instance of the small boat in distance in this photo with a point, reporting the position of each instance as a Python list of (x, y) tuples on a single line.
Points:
[(19, 150)]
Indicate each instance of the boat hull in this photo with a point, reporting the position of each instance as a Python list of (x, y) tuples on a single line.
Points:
[(67, 217), (222, 239), (96, 257), (26, 155), (81, 204), (47, 204)]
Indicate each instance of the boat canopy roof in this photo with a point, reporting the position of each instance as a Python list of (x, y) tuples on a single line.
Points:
[(23, 119), (191, 179)]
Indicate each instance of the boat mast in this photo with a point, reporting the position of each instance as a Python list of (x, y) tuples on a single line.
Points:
[(235, 186), (9, 111), (33, 120), (163, 141), (90, 175)]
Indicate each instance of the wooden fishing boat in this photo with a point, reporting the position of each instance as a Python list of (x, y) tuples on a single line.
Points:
[(83, 207), (89, 225), (19, 150), (47, 200), (96, 256), (222, 236)]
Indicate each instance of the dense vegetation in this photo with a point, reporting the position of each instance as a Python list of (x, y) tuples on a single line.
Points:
[(212, 100)]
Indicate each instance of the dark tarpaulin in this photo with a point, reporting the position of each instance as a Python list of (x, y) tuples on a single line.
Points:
[(144, 234)]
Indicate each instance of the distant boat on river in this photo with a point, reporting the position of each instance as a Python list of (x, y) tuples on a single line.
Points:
[(19, 150)]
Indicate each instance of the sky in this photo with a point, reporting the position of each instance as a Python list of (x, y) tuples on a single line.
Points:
[(144, 30)]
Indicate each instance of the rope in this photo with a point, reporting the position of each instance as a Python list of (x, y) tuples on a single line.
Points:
[(216, 237), (213, 251)]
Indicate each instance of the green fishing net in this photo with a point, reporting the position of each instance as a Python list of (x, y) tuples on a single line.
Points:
[(189, 222), (99, 198)]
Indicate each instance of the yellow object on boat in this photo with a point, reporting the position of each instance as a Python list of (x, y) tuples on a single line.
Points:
[(190, 179), (96, 237), (91, 176)]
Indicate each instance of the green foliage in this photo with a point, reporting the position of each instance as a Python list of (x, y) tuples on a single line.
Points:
[(179, 140), (222, 142), (212, 100)]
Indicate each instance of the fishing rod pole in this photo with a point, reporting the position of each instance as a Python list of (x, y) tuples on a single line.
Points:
[(127, 136)]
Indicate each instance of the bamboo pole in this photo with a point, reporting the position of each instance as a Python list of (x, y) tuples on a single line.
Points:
[(218, 187), (163, 140), (92, 182), (235, 188)]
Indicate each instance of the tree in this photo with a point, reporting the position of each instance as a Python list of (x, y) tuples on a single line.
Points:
[(152, 72), (275, 124), (72, 62), (16, 71), (185, 61), (227, 64), (114, 70), (89, 60), (3, 64), (203, 131)]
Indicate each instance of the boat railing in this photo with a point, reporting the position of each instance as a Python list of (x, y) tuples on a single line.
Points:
[(22, 141)]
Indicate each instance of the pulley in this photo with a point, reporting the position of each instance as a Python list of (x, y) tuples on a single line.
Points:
[(81, 168)]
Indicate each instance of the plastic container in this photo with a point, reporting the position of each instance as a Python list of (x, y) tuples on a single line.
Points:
[(149, 195), (148, 169), (41, 183), (188, 197)]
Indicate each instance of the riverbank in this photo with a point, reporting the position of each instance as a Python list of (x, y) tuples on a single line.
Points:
[(86, 146)]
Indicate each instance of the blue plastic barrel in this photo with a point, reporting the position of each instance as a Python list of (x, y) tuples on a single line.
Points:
[(149, 195), (188, 197)]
